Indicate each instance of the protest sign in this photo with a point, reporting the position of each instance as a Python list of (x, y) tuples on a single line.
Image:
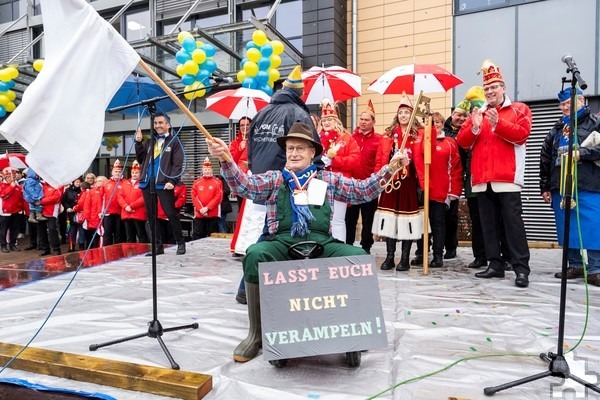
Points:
[(320, 306)]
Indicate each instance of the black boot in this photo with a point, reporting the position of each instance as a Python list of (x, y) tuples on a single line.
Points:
[(437, 261), (4, 249), (404, 265), (390, 245), (81, 246)]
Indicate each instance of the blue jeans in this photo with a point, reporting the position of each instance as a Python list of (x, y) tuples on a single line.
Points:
[(593, 266)]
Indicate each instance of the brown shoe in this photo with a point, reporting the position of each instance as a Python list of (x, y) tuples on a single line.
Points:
[(572, 273), (594, 279)]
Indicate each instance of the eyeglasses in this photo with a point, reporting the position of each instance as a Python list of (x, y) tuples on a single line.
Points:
[(299, 149), (491, 88)]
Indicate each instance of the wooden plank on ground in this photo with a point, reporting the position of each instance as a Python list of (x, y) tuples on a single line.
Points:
[(124, 375)]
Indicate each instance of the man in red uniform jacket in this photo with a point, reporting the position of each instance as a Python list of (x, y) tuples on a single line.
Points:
[(496, 134), (207, 193), (51, 208), (112, 208), (368, 141), (133, 210)]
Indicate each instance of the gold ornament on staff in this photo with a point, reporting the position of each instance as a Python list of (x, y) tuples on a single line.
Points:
[(421, 109)]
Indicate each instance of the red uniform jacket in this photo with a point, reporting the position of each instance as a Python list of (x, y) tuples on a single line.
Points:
[(498, 155), (112, 207), (93, 207), (207, 192), (131, 195), (367, 145), (180, 197), (445, 171), (347, 158), (11, 198), (51, 200), (240, 156)]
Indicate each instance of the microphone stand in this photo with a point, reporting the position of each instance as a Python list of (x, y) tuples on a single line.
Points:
[(557, 364), (155, 329)]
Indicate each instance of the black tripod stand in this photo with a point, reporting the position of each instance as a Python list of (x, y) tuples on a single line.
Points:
[(155, 329), (558, 365)]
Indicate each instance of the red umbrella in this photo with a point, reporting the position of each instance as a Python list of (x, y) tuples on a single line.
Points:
[(414, 78), (237, 103), (15, 160), (333, 83)]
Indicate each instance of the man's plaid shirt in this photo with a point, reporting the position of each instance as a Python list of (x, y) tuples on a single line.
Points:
[(265, 187)]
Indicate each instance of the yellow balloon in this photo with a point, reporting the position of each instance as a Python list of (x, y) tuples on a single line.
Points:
[(275, 61), (253, 54), (191, 67), (273, 74), (241, 75), (13, 73), (4, 100), (4, 77), (277, 47), (199, 56), (199, 43), (11, 95), (271, 83), (10, 107), (193, 86), (259, 37), (38, 64), (250, 68), (182, 35), (180, 70)]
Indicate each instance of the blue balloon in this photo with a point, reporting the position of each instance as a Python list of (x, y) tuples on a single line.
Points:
[(209, 65), (182, 56), (266, 88), (188, 79), (251, 45), (209, 49), (262, 77), (4, 86), (264, 64), (11, 83), (189, 44), (203, 76), (266, 50), (249, 83)]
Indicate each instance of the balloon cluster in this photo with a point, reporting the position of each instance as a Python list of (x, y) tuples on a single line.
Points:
[(259, 67), (195, 64), (111, 142), (7, 96)]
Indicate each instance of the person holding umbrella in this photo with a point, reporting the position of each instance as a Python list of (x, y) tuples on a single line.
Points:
[(398, 215), (11, 202), (239, 146)]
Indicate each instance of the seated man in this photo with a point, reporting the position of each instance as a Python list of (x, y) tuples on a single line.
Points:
[(299, 201)]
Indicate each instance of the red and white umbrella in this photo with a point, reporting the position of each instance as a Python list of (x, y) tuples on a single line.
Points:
[(237, 103), (414, 78), (15, 160), (333, 83)]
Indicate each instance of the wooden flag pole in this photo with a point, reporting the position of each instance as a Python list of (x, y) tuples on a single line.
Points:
[(179, 103), (427, 158)]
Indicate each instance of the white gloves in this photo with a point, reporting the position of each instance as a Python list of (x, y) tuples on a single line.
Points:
[(326, 160)]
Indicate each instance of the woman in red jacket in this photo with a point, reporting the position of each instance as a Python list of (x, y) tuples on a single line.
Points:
[(340, 154), (398, 215), (92, 210), (238, 147)]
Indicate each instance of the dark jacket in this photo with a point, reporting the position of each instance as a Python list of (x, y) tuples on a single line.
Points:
[(588, 173), (226, 206), (171, 160), (271, 122)]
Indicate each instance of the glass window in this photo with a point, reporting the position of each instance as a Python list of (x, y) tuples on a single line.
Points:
[(168, 27), (137, 25), (9, 10), (469, 6), (215, 20), (288, 19)]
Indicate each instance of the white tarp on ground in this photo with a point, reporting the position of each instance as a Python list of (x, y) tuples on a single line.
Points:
[(431, 322)]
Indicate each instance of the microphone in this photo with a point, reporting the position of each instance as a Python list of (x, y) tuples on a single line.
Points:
[(222, 79), (568, 59)]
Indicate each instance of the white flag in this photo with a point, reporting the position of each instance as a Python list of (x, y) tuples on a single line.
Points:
[(60, 120)]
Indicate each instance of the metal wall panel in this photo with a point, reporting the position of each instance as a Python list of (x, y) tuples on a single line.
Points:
[(13, 42)]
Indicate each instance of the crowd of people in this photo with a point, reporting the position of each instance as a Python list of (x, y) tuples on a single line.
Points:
[(479, 150)]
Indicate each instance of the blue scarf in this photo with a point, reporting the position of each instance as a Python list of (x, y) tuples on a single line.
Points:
[(301, 214)]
